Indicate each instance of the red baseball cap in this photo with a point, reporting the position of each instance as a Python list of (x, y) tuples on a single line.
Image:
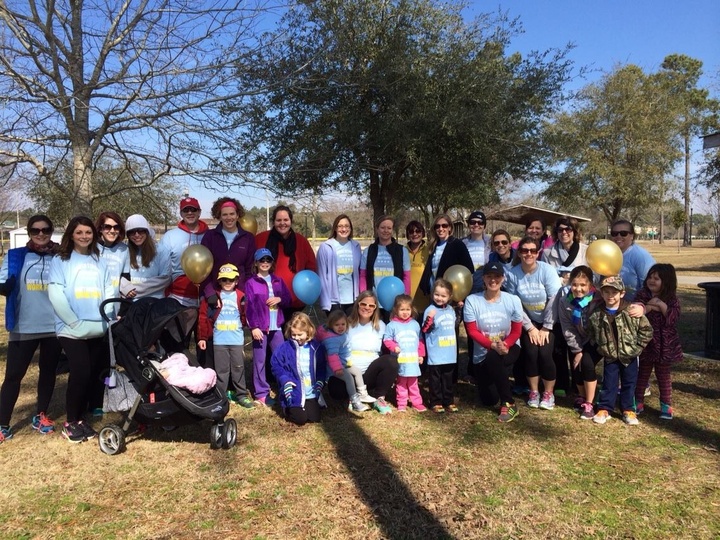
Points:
[(189, 201)]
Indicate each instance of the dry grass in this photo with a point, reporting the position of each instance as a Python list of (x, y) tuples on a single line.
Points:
[(546, 475)]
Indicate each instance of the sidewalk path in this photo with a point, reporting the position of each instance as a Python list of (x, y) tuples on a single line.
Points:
[(694, 280)]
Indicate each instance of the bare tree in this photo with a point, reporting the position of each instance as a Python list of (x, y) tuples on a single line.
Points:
[(131, 81)]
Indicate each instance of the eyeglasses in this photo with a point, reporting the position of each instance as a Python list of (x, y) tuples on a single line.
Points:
[(525, 251), (189, 210), (442, 226), (566, 230), (267, 260), (619, 233), (475, 222), (107, 227), (500, 243), (34, 231), (366, 305), (136, 232)]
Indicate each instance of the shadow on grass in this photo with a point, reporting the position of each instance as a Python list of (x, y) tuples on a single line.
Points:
[(701, 391), (683, 428), (397, 512)]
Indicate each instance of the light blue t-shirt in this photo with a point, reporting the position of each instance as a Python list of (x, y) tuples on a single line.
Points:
[(636, 264), (272, 311), (478, 251), (229, 237), (118, 262), (383, 264), (34, 313), (493, 319), (228, 325), (303, 359), (362, 346), (151, 281), (407, 336), (441, 341), (344, 264), (534, 289)]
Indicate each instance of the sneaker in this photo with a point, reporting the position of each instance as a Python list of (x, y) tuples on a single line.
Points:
[(586, 411), (87, 430), (73, 432), (560, 393), (666, 412), (232, 396), (534, 400), (439, 409), (367, 398), (451, 408), (382, 406), (548, 401), (630, 418), (508, 412), (42, 424), (5, 433), (246, 402), (266, 401), (358, 405), (601, 416), (578, 402), (639, 407), (97, 412), (402, 409), (420, 408)]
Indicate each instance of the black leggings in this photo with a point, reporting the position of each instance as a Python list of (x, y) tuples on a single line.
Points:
[(302, 415), (19, 356), (86, 362), (585, 371), (379, 378), (538, 359), (492, 376)]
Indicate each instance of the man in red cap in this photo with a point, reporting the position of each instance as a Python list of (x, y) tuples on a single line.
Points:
[(189, 231)]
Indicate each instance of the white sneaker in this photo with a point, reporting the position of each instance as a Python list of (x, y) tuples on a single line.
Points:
[(367, 398), (357, 404)]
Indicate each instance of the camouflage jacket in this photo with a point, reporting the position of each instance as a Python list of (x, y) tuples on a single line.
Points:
[(618, 337)]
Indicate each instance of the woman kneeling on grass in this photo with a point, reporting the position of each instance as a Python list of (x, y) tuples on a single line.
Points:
[(362, 349), (493, 320)]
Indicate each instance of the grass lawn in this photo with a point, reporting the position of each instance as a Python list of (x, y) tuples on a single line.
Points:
[(425, 476)]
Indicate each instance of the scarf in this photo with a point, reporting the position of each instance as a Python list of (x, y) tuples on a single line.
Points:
[(289, 245), (49, 248), (574, 248), (578, 305)]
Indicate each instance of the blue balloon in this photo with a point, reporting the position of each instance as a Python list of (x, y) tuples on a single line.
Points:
[(306, 286), (388, 289)]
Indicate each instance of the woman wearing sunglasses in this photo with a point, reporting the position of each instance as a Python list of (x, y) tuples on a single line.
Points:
[(567, 250), (338, 264), (149, 263), (30, 320), (362, 349), (636, 260), (502, 250), (445, 251), (418, 253), (536, 284), (112, 248)]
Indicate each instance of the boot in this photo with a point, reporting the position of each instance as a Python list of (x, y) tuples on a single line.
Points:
[(364, 396)]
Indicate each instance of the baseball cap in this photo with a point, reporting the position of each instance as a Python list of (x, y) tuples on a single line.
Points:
[(228, 271), (615, 282), (494, 268), (189, 201), (477, 214), (263, 252)]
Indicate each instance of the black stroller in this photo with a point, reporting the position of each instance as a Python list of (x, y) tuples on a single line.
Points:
[(146, 327)]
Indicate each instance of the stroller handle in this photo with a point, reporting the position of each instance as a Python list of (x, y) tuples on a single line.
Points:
[(111, 301)]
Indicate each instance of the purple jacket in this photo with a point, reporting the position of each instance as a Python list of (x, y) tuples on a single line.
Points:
[(241, 253), (256, 294)]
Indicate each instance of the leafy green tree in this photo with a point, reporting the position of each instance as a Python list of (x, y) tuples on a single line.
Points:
[(394, 98), (695, 112), (614, 148)]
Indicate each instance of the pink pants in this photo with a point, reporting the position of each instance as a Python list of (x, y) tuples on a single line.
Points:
[(408, 388)]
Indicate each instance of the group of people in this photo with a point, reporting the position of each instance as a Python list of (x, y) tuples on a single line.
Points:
[(534, 313)]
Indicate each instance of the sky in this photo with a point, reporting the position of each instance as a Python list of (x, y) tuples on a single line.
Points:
[(606, 33)]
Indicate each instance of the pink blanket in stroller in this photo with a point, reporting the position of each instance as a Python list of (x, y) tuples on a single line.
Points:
[(178, 372)]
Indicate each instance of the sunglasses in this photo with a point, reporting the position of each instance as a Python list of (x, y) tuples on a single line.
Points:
[(619, 233), (525, 251), (567, 230), (442, 226), (189, 210), (226, 280), (366, 305), (415, 231), (475, 222), (267, 260), (34, 231), (108, 228), (500, 243), (136, 232)]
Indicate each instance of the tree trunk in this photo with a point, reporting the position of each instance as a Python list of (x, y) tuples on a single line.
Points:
[(377, 201), (82, 180)]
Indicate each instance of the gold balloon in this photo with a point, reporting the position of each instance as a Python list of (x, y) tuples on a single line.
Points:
[(249, 224), (461, 280), (197, 263), (604, 257)]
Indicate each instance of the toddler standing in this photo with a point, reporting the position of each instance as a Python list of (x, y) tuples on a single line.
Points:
[(402, 337)]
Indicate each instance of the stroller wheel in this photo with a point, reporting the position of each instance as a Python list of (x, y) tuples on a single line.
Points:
[(111, 439), (216, 436), (229, 433)]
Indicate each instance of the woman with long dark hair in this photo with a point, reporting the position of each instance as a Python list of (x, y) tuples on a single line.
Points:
[(149, 263)]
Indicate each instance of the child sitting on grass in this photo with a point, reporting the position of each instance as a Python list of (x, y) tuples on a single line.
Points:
[(619, 339)]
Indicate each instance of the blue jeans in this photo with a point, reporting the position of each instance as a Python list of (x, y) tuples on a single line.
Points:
[(627, 376)]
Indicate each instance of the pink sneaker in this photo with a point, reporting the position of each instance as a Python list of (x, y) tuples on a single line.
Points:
[(420, 408)]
